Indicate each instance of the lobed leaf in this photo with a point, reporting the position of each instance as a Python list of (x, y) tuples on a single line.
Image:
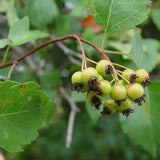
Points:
[(19, 33), (23, 109), (116, 15)]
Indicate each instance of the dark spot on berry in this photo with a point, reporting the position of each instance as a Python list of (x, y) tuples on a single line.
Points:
[(146, 82), (98, 91), (96, 101), (133, 78), (108, 69), (106, 111), (77, 86), (92, 83), (126, 112), (119, 102), (140, 100)]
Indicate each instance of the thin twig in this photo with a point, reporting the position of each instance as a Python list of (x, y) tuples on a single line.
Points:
[(50, 42), (73, 112)]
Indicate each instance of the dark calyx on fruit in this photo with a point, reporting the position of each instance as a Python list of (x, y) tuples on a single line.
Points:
[(146, 82), (106, 111), (132, 78), (98, 91), (140, 100), (126, 112), (96, 101), (77, 86), (119, 102), (92, 83), (108, 69)]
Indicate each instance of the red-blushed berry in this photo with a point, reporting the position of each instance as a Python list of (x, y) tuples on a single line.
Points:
[(109, 107), (136, 93), (130, 75), (89, 77), (143, 77), (103, 88), (93, 99), (104, 68), (126, 107)]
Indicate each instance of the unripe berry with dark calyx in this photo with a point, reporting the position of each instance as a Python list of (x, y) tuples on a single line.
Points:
[(130, 75), (109, 107), (126, 107), (118, 92), (77, 82), (104, 68), (94, 99), (143, 77), (103, 88), (90, 77), (136, 93)]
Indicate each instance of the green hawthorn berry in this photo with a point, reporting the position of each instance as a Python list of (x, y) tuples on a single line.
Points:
[(118, 93), (143, 77), (90, 77), (109, 107), (77, 82), (130, 75), (136, 93), (104, 68), (103, 88), (94, 99), (126, 107)]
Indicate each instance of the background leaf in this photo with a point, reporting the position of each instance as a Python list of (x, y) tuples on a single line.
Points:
[(156, 18), (144, 129), (4, 42), (8, 8), (19, 33), (116, 15), (41, 12), (93, 113), (23, 109)]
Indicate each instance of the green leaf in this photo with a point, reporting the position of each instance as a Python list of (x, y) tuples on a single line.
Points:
[(116, 15), (93, 113), (151, 54), (41, 12), (137, 52), (5, 42), (156, 18), (23, 109), (145, 52), (78, 97), (8, 8), (143, 129), (19, 33)]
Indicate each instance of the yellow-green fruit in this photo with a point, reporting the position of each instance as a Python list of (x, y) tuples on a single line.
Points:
[(94, 99), (135, 91), (109, 107), (118, 92), (143, 77), (76, 77), (126, 107), (77, 82), (103, 88), (104, 68), (130, 75), (89, 77)]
